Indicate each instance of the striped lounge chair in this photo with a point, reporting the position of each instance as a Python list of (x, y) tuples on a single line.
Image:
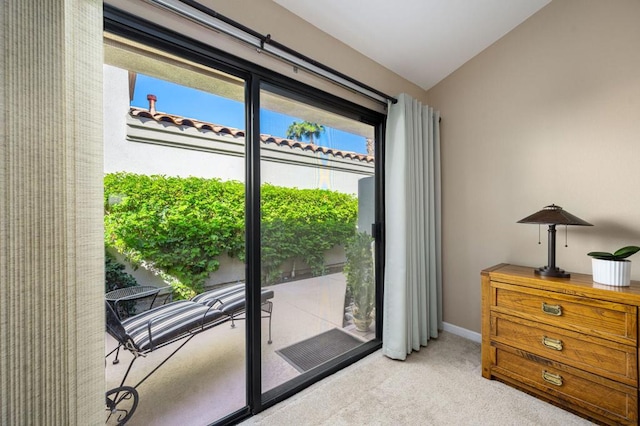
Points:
[(166, 324)]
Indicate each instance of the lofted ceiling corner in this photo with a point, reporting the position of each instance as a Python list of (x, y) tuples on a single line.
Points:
[(421, 40)]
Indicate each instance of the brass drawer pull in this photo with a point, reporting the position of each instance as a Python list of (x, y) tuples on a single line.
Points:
[(554, 379), (550, 343), (552, 309)]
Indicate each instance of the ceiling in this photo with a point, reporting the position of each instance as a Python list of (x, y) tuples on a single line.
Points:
[(422, 40)]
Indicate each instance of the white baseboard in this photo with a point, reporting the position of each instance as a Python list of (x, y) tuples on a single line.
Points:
[(462, 332)]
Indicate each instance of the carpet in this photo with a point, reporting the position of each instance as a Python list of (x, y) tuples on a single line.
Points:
[(442, 385), (317, 350)]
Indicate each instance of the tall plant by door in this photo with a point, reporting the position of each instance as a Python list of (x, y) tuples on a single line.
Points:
[(359, 270)]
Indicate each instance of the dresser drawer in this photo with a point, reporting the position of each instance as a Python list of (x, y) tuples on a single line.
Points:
[(613, 321), (603, 357), (585, 392)]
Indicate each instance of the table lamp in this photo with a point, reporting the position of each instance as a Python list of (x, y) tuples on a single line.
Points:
[(553, 215)]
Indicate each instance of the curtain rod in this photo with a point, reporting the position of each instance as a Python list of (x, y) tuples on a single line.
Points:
[(202, 15)]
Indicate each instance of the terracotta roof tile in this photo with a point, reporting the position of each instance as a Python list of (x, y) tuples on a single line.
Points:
[(237, 133)]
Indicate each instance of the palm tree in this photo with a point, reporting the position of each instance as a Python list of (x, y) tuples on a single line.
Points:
[(304, 130)]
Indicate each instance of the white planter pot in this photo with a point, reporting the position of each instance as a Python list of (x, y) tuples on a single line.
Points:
[(612, 272)]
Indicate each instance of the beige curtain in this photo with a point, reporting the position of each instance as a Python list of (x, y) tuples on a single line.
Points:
[(413, 262), (51, 250)]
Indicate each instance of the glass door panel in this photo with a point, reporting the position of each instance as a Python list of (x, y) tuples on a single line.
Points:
[(317, 252), (174, 230)]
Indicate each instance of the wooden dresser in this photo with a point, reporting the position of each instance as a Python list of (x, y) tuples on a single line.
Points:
[(569, 341)]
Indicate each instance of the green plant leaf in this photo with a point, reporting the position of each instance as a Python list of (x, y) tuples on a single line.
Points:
[(625, 252), (601, 255), (620, 254)]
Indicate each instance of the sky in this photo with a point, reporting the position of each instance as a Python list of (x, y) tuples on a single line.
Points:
[(192, 103)]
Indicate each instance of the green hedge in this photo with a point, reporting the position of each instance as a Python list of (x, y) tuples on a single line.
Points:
[(181, 225)]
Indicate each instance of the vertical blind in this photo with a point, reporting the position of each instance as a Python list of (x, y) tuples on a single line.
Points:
[(51, 250)]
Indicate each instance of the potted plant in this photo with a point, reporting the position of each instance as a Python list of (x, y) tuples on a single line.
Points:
[(613, 268), (359, 270)]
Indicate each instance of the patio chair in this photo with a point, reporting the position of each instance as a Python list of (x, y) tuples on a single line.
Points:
[(230, 301), (176, 321)]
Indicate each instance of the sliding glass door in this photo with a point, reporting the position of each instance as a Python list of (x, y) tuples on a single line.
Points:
[(174, 235), (317, 208), (253, 198)]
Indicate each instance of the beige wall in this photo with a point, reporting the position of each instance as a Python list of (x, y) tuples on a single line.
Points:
[(267, 17), (548, 114)]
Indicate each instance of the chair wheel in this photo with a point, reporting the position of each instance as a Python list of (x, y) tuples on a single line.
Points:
[(121, 404)]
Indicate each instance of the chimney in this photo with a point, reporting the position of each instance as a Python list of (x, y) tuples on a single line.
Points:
[(370, 147), (152, 103)]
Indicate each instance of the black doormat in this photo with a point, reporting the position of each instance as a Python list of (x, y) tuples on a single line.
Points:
[(319, 349)]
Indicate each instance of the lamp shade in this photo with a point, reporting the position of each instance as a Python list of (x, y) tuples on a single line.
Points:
[(554, 215)]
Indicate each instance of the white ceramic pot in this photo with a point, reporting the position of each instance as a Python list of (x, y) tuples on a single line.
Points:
[(612, 272)]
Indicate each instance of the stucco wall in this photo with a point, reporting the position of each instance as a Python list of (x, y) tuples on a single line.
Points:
[(548, 114), (144, 146), (232, 269)]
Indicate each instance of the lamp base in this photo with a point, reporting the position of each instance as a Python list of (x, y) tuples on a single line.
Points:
[(545, 271)]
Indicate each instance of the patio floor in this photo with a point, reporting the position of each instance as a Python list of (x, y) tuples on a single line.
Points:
[(205, 380)]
